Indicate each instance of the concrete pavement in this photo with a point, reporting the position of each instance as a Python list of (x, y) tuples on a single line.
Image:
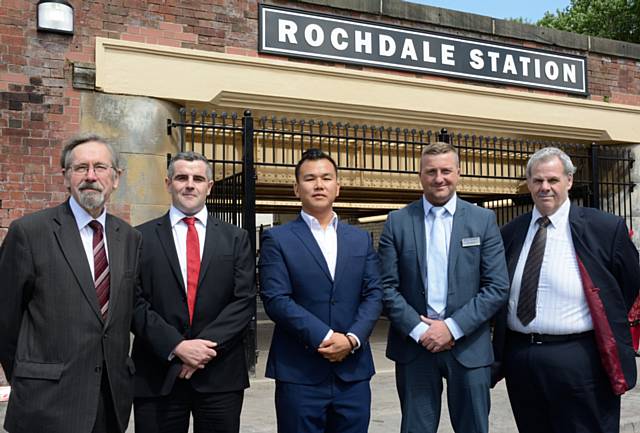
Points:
[(258, 415)]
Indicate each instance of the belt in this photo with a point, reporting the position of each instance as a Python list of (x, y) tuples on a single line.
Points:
[(547, 338)]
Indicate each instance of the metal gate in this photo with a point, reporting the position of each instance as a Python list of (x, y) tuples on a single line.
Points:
[(237, 149)]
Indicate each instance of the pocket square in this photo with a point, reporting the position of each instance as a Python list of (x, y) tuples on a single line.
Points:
[(471, 242)]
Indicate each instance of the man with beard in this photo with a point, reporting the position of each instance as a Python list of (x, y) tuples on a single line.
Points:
[(66, 301)]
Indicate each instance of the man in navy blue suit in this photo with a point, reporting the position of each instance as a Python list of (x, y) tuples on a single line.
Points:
[(320, 285)]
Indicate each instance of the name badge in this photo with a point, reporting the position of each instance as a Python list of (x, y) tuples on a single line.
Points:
[(471, 242)]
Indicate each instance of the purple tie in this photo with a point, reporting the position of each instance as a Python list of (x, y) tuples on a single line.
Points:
[(100, 267)]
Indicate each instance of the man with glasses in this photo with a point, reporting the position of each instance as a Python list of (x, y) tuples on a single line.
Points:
[(68, 276)]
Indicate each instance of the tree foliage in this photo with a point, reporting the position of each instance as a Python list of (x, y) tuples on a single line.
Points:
[(613, 19)]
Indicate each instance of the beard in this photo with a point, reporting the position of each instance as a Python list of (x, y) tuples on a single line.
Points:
[(91, 195)]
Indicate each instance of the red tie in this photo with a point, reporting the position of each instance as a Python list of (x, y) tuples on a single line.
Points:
[(100, 267), (193, 264)]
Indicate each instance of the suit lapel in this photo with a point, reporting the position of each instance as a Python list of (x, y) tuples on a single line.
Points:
[(68, 237), (341, 260), (163, 230), (416, 211), (300, 229), (514, 247), (455, 243), (116, 265), (209, 245), (576, 222)]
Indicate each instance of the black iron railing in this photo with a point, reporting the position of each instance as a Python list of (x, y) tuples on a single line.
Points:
[(602, 179)]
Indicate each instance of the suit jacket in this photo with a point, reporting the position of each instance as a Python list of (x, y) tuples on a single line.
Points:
[(610, 275), (477, 280), (53, 340), (224, 306), (303, 300)]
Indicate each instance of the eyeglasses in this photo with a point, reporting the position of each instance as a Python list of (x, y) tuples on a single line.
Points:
[(98, 168)]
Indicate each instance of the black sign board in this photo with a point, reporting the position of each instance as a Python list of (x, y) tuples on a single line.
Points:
[(305, 34)]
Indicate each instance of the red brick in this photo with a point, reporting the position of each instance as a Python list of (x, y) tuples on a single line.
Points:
[(133, 38), (171, 27)]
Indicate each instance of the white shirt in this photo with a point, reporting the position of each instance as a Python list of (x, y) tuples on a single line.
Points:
[(179, 229), (447, 219), (83, 218), (561, 306), (327, 240)]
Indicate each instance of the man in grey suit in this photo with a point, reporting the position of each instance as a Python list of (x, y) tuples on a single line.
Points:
[(444, 276), (68, 276)]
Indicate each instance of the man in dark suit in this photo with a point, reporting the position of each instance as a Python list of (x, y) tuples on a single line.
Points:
[(444, 277), (66, 301), (319, 283), (563, 342), (196, 298)]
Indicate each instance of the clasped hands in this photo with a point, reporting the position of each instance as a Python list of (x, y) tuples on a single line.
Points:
[(437, 338), (194, 354), (337, 347)]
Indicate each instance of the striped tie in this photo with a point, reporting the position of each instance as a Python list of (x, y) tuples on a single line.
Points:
[(100, 267), (526, 311)]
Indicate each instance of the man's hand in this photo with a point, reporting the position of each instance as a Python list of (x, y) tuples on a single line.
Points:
[(187, 371), (336, 348), (437, 338), (195, 353)]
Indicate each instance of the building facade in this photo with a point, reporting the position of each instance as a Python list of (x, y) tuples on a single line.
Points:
[(130, 65)]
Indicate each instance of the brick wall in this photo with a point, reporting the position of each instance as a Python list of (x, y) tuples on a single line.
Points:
[(39, 108)]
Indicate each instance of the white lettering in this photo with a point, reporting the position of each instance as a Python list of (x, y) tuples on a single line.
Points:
[(494, 60), (551, 70), (426, 47), (447, 55), (314, 35), (409, 50), (509, 65), (336, 35), (536, 67), (524, 61), (387, 45), (477, 62), (363, 42), (569, 73), (287, 30)]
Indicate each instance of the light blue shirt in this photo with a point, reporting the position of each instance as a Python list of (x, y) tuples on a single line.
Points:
[(450, 207)]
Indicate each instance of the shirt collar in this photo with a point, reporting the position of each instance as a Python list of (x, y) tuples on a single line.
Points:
[(450, 206), (558, 218), (176, 215), (83, 217), (313, 221)]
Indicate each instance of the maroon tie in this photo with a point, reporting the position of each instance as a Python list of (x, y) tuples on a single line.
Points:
[(193, 264), (100, 267)]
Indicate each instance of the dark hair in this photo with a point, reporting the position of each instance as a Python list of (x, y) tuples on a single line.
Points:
[(314, 155), (65, 157), (188, 156)]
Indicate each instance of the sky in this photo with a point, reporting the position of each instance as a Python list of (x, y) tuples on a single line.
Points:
[(532, 10)]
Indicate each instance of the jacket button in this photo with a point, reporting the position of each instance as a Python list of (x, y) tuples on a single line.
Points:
[(422, 292), (333, 302), (98, 369)]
